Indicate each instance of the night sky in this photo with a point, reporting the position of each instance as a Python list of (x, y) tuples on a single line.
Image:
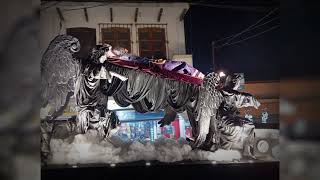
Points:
[(258, 58)]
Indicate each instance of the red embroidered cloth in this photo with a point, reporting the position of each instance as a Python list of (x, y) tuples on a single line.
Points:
[(156, 70)]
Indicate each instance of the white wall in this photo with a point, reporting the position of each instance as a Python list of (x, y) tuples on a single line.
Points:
[(122, 13)]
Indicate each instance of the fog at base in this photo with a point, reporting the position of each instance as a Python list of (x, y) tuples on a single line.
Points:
[(87, 148)]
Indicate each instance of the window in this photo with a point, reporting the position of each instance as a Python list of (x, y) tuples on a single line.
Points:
[(117, 36), (152, 42)]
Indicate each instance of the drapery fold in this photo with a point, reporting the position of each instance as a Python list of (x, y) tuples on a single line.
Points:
[(148, 92)]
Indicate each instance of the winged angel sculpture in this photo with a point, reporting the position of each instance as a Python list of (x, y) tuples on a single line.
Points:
[(210, 101)]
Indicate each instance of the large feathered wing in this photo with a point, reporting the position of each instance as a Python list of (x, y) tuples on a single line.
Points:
[(59, 71)]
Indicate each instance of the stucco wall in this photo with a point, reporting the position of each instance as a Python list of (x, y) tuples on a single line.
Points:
[(122, 13), (267, 94)]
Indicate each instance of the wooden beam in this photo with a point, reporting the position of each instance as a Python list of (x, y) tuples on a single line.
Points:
[(183, 13), (86, 14), (60, 14), (136, 15), (160, 14), (111, 15)]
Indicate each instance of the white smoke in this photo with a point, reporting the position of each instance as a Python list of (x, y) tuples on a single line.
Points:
[(87, 148)]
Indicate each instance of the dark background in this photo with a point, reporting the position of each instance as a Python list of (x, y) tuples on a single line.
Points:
[(299, 57), (258, 58)]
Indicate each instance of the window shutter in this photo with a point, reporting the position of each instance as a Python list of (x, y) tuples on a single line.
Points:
[(117, 37), (152, 42)]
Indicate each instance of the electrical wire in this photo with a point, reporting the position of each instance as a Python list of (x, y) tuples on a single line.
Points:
[(73, 9), (243, 31), (250, 37), (42, 3), (260, 8), (248, 29), (88, 7), (53, 4)]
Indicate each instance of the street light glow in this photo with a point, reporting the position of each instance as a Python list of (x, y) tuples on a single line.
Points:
[(222, 74)]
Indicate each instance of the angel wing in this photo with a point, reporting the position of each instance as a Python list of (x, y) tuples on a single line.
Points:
[(59, 71)]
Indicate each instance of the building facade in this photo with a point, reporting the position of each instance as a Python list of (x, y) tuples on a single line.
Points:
[(146, 29)]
